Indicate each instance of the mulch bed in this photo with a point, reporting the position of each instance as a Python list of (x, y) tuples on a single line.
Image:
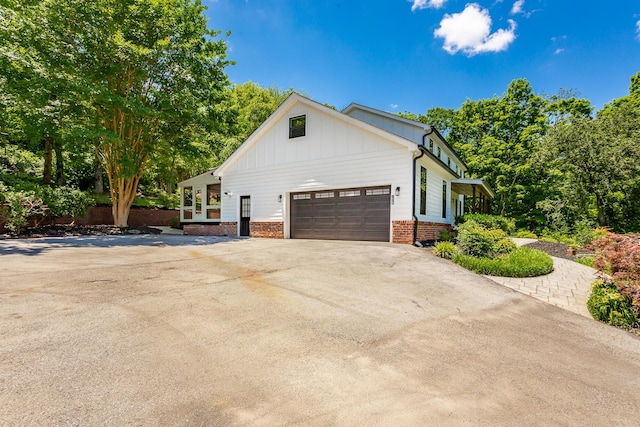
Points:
[(78, 230), (557, 249)]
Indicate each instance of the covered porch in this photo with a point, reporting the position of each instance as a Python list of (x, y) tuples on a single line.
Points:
[(477, 194)]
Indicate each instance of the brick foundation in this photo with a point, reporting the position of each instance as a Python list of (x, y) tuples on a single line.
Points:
[(431, 230), (273, 230), (218, 229), (402, 232)]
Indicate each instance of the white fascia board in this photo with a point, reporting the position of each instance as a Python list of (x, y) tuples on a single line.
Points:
[(209, 177), (286, 106)]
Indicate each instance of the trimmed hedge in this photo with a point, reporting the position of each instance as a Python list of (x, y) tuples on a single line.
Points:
[(522, 262)]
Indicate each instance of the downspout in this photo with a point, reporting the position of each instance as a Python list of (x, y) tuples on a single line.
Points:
[(413, 200)]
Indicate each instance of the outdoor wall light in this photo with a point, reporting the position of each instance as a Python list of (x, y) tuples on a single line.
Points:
[(279, 198), (397, 191), (228, 193)]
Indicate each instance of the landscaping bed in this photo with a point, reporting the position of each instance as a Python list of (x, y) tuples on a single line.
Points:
[(78, 230), (557, 249)]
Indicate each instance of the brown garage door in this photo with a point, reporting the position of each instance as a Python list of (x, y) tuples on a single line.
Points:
[(346, 214)]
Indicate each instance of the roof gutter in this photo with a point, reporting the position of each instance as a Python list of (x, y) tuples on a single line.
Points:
[(413, 192)]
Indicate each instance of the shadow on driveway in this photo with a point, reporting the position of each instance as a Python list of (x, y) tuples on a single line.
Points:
[(37, 246)]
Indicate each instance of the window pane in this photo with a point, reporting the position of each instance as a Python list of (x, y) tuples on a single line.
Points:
[(301, 196), (352, 193), (188, 196), (198, 202), (378, 191), (444, 199), (423, 190), (297, 126), (213, 213), (213, 194), (188, 214), (325, 195)]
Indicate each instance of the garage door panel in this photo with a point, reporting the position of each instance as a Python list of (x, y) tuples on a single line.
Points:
[(346, 214)]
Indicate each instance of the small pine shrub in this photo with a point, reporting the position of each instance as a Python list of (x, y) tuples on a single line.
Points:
[(522, 262), (445, 250), (609, 305)]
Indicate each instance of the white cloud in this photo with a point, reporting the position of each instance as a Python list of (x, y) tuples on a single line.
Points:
[(469, 32), (517, 7), (638, 29), (394, 106), (558, 51), (424, 4)]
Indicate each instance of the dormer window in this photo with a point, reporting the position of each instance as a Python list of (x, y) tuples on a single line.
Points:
[(297, 126), (431, 145), (439, 152)]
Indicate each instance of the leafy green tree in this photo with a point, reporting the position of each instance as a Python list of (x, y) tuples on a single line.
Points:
[(143, 73), (601, 158)]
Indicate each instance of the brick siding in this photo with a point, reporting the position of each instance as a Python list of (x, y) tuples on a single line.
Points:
[(431, 230), (221, 229), (273, 230), (403, 232)]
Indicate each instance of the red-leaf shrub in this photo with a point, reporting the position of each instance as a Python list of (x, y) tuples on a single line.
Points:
[(619, 256)]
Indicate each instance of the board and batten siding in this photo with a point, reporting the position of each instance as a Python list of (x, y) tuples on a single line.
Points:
[(333, 154), (435, 175)]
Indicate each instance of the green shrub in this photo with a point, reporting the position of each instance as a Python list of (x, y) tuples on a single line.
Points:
[(476, 240), (174, 222), (66, 201), (168, 200), (586, 260), (522, 262), (525, 234), (447, 235), (609, 305), (445, 249), (18, 206), (489, 221)]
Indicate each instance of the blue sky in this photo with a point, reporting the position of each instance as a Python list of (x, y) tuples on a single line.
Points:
[(411, 55)]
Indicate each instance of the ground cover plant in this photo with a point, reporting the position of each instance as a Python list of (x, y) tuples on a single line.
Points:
[(522, 262)]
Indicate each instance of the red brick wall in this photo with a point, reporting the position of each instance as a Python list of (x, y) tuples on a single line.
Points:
[(274, 230), (403, 232), (221, 229), (430, 230), (101, 215)]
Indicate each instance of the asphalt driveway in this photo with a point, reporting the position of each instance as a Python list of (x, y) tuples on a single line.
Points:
[(176, 330)]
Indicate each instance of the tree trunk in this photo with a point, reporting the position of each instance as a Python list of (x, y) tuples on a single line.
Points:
[(602, 219), (48, 160), (59, 164), (98, 177), (123, 191)]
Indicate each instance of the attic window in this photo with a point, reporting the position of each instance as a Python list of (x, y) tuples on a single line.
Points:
[(297, 126)]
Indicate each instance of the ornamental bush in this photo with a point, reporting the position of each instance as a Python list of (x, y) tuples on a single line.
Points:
[(445, 249), (619, 256), (476, 240), (609, 305)]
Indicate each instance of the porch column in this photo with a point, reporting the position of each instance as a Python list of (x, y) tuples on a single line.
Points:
[(473, 204)]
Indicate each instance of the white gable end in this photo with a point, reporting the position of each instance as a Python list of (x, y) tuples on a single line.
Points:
[(326, 138)]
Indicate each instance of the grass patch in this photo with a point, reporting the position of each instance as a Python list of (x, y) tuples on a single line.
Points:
[(522, 262), (586, 260), (146, 202)]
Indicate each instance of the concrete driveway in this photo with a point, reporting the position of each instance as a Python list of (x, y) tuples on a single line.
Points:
[(176, 330)]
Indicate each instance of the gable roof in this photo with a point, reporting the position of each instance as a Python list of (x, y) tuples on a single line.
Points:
[(288, 103), (415, 123), (208, 177)]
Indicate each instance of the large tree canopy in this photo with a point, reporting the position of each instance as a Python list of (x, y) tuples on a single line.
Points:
[(139, 73)]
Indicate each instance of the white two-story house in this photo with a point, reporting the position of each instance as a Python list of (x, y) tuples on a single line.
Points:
[(311, 172)]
